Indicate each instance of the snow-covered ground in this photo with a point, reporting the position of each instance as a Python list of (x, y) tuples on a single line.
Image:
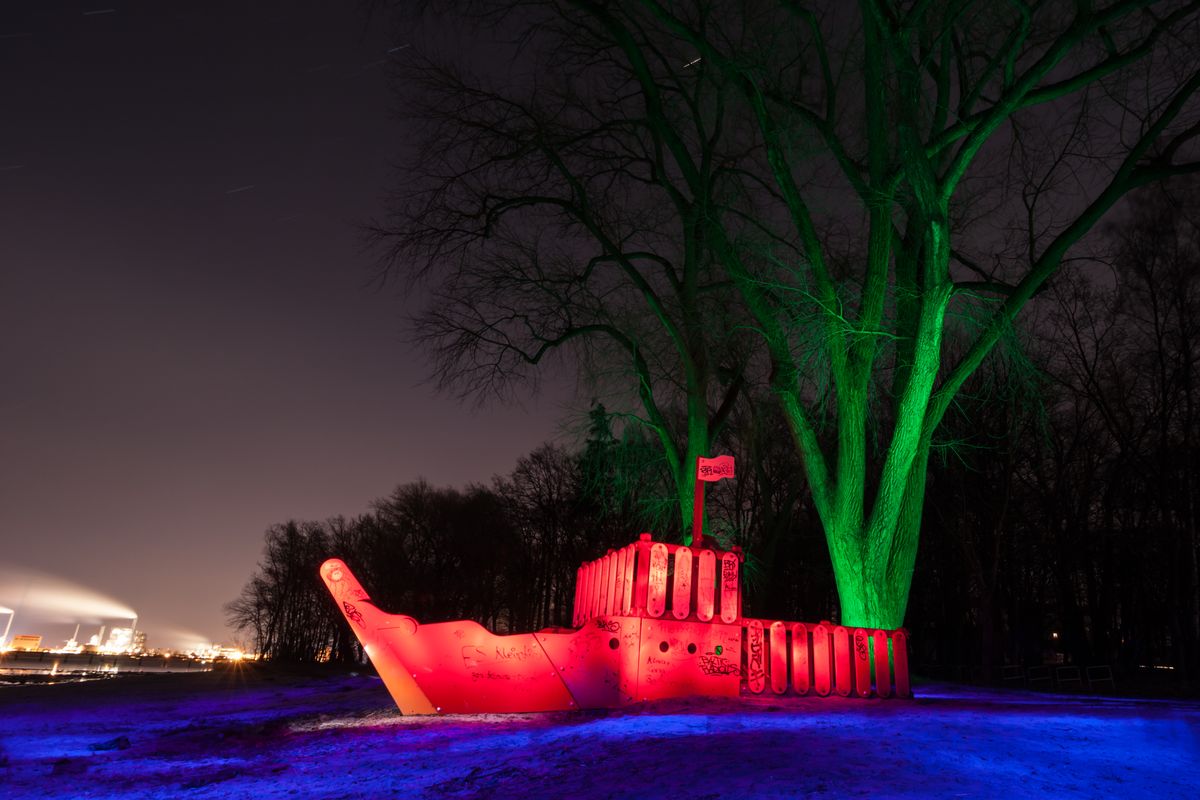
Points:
[(250, 734)]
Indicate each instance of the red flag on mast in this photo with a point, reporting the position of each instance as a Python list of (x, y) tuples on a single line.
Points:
[(714, 469), (707, 471)]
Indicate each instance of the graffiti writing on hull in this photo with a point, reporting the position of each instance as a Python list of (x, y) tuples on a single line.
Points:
[(756, 667), (473, 657), (514, 653), (860, 644), (729, 574), (609, 625), (352, 613), (718, 665)]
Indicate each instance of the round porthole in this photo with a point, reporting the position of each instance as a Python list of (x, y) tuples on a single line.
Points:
[(691, 649), (613, 643), (663, 646)]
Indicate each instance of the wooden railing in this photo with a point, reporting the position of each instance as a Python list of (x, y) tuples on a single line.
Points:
[(800, 657), (659, 580), (653, 579)]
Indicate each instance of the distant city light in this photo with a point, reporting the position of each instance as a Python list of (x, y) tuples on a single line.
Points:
[(109, 627), (125, 641)]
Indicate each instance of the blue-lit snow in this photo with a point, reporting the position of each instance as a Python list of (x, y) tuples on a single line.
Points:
[(251, 734)]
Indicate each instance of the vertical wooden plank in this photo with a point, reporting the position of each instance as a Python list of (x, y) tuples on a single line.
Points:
[(756, 663), (862, 662), (614, 602), (605, 581), (594, 592), (706, 584), (801, 658), (681, 590), (656, 596), (605, 577), (842, 676), (585, 592), (822, 660), (627, 580), (586, 595), (575, 623), (610, 583), (604, 573), (900, 660), (779, 658), (641, 585), (614, 582), (614, 593), (729, 587), (883, 681)]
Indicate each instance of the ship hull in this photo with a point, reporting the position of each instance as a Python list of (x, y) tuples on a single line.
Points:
[(462, 668), (654, 650)]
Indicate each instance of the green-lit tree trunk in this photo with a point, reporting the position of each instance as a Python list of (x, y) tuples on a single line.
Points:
[(927, 91)]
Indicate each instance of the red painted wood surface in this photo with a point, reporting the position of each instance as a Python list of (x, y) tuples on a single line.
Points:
[(626, 648), (368, 624), (756, 664), (630, 566), (706, 584), (842, 676), (585, 594), (597, 585), (619, 605), (900, 663), (593, 669), (618, 580), (681, 588), (779, 658), (822, 660), (883, 681), (680, 659), (605, 585), (656, 598), (589, 570), (601, 584), (801, 659), (641, 580), (861, 642), (714, 469), (729, 587), (505, 673), (575, 604), (614, 584)]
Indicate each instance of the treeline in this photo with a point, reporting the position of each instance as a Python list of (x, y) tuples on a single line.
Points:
[(1061, 518), (503, 554)]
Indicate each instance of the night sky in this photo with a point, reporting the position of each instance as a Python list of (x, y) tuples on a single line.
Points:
[(191, 347)]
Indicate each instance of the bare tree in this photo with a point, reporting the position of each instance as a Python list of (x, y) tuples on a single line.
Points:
[(546, 216)]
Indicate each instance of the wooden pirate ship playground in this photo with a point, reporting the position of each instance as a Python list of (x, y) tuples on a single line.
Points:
[(651, 621)]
